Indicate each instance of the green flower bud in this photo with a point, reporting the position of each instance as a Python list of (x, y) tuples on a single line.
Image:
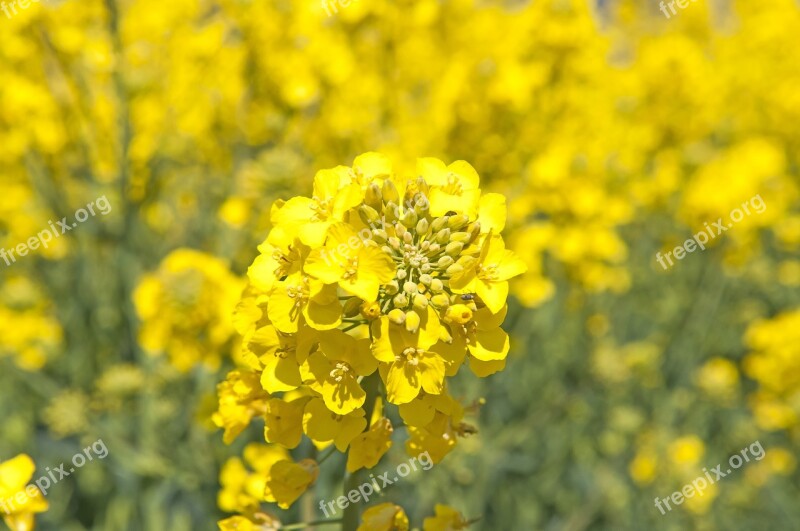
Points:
[(422, 226), (392, 287), (443, 236), (389, 192), (462, 237), (391, 211), (475, 230), (438, 224), (372, 196), (445, 262), (458, 221), (454, 248), (410, 219), (368, 215), (351, 307), (422, 186), (379, 235)]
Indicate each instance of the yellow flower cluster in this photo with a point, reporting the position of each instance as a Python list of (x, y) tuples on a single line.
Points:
[(379, 284), (28, 330), (191, 291), (391, 517), (775, 364)]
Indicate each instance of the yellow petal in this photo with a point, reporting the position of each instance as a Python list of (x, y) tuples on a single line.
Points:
[(490, 345), (492, 213), (493, 294)]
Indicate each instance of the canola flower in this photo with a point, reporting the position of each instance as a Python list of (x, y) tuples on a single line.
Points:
[(775, 364), (19, 502), (190, 291), (379, 285)]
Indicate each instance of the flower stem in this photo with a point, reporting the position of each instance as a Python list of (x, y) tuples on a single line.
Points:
[(352, 513)]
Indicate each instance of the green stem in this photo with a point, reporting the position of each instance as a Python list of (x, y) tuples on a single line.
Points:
[(331, 451), (352, 513)]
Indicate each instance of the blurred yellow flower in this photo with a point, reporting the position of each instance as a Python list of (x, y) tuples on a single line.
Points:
[(384, 517), (18, 502)]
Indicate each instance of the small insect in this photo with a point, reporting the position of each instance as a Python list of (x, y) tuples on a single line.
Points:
[(468, 297)]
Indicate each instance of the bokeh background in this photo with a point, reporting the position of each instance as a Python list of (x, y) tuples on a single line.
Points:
[(615, 133)]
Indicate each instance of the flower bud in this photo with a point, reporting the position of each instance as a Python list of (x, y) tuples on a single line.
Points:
[(397, 316), (454, 269), (445, 262), (422, 226), (457, 221), (351, 307), (421, 204), (438, 224), (475, 230), (368, 215), (440, 301), (454, 248), (420, 302), (401, 274), (410, 219), (462, 237), (392, 287), (389, 192), (434, 248), (412, 321), (400, 300), (425, 279), (372, 196), (443, 236), (436, 285), (379, 235), (422, 186), (410, 288), (391, 211), (394, 242)]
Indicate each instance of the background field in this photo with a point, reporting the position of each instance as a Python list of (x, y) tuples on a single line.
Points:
[(614, 131)]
